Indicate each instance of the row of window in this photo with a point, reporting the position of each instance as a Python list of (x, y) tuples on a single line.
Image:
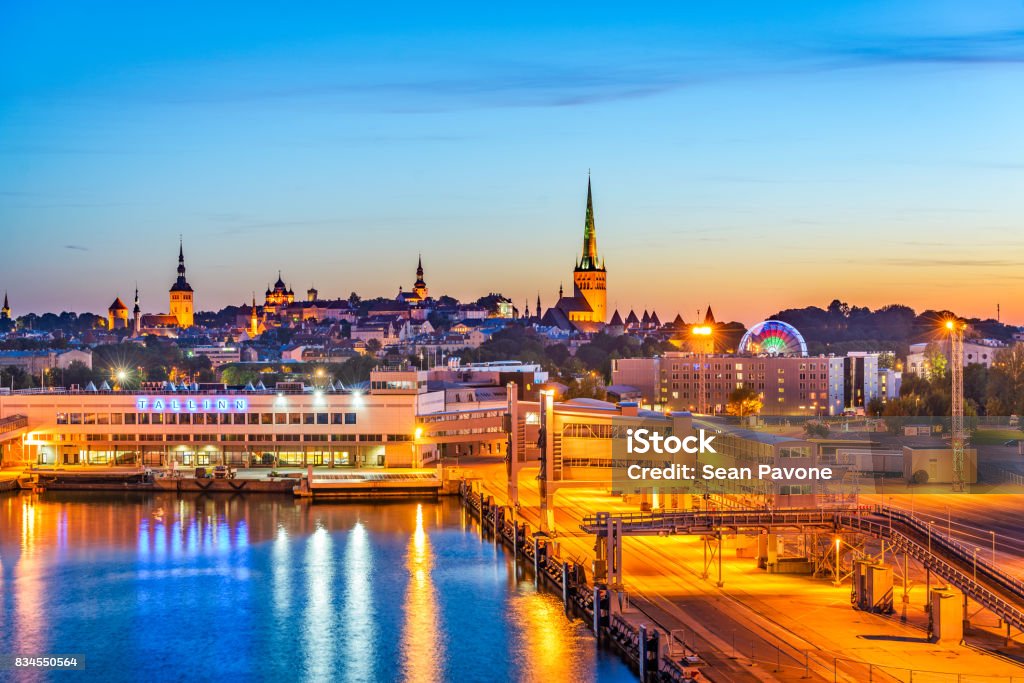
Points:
[(251, 438), (206, 418)]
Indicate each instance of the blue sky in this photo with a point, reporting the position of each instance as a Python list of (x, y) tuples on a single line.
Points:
[(754, 156)]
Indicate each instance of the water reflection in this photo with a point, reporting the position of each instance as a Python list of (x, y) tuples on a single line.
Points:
[(422, 649), (359, 611), (268, 588), (318, 623)]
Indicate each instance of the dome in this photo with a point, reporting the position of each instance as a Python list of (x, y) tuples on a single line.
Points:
[(773, 338)]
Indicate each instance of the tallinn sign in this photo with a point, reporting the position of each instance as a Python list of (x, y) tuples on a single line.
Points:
[(191, 405)]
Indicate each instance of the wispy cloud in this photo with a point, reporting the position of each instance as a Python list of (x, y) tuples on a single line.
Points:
[(76, 247)]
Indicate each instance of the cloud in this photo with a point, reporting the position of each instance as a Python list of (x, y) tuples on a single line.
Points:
[(992, 47), (76, 247)]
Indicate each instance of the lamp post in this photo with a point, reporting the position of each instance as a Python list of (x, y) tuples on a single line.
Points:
[(835, 581), (702, 334), (928, 570), (993, 534)]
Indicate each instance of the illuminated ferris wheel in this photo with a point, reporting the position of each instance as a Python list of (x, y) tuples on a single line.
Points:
[(773, 338)]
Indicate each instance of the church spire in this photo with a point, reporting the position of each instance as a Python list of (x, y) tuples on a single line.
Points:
[(181, 257), (589, 260)]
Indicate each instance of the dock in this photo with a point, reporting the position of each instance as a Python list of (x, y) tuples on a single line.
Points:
[(370, 484)]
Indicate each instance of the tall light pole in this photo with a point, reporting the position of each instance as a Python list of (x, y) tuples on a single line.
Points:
[(702, 339), (956, 343)]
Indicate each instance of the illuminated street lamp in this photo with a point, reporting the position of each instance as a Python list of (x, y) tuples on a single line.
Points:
[(120, 375)]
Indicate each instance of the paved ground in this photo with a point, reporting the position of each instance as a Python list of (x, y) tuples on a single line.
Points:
[(779, 619)]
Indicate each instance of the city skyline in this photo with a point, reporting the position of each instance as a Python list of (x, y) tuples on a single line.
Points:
[(793, 153)]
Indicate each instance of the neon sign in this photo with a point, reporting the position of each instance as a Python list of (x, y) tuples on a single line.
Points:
[(192, 405)]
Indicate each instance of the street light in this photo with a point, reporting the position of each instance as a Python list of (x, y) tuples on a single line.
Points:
[(993, 547)]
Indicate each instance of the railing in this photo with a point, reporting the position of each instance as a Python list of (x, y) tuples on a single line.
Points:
[(671, 521), (978, 579), (1011, 584), (972, 588)]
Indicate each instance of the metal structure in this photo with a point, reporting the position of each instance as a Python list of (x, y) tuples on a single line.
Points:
[(773, 338), (959, 437), (959, 566)]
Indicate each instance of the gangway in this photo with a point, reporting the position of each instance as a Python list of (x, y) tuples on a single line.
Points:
[(976, 577)]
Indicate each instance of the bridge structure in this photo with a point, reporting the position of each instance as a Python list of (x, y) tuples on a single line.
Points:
[(839, 534), (12, 429)]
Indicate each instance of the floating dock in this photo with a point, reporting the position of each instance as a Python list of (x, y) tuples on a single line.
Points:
[(412, 484)]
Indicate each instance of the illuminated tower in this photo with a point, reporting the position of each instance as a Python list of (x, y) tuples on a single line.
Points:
[(136, 316), (5, 312), (589, 277), (419, 288), (254, 321), (181, 294), (117, 315)]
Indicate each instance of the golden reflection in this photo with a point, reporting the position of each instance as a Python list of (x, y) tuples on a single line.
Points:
[(546, 639), (422, 647)]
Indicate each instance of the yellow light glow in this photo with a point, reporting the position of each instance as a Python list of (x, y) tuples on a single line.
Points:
[(702, 330), (419, 432)]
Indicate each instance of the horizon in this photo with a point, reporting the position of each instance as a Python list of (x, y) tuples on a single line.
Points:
[(748, 157)]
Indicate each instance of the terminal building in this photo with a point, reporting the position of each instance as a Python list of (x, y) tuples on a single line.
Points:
[(288, 426)]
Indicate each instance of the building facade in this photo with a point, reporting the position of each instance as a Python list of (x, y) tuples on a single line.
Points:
[(296, 427)]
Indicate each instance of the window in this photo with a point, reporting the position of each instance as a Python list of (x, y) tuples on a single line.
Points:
[(116, 418), (253, 418), (62, 418), (129, 419), (321, 418), (185, 419), (266, 418), (350, 418), (238, 419)]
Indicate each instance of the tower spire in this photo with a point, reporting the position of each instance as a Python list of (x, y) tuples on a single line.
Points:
[(589, 260)]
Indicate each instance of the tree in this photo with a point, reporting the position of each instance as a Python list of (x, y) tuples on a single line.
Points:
[(79, 373), (875, 407), (1005, 389), (818, 429), (935, 360), (744, 401), (373, 346)]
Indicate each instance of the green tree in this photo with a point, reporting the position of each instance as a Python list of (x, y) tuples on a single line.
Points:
[(936, 362), (744, 401), (1005, 389)]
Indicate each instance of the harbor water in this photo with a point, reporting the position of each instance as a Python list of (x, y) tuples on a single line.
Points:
[(184, 588)]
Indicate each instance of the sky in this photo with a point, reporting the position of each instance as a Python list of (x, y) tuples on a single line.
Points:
[(754, 156)]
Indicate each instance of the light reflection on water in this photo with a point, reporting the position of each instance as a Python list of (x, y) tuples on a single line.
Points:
[(157, 587)]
